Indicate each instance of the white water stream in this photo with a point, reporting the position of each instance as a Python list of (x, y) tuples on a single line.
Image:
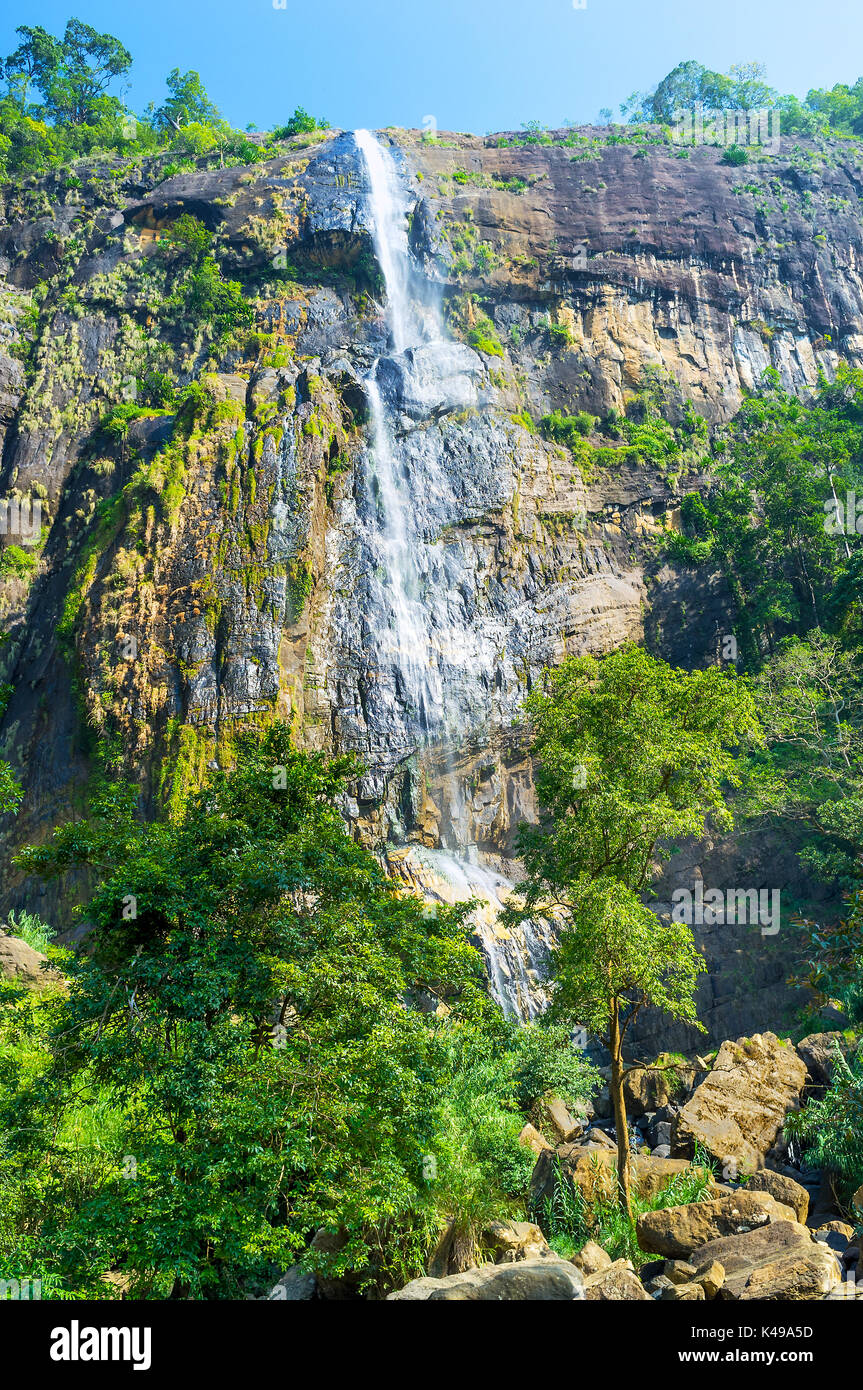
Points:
[(411, 635)]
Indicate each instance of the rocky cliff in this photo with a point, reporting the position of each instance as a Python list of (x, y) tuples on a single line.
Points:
[(216, 564)]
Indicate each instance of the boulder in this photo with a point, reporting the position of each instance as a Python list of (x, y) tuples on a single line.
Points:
[(649, 1089), (617, 1283), (778, 1261), (555, 1117), (531, 1138), (509, 1241), (677, 1231), (711, 1279), (592, 1169), (591, 1258), (740, 1107), (295, 1286), (679, 1271), (738, 1252), (19, 962), (819, 1055), (799, 1274), (548, 1280), (784, 1189)]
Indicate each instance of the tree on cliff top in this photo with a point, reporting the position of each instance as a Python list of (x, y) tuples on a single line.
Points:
[(632, 754), (71, 74)]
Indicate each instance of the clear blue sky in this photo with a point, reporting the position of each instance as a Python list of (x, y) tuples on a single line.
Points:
[(475, 65)]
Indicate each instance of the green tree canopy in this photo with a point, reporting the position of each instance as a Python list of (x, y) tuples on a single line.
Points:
[(245, 1007), (71, 75), (632, 755)]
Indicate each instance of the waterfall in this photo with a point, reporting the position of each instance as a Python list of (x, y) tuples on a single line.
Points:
[(406, 623), (417, 644)]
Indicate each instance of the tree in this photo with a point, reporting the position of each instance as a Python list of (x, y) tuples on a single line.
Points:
[(301, 123), (33, 62), (187, 104), (243, 1007), (632, 755), (71, 74)]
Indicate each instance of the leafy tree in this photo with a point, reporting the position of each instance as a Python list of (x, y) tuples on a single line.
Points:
[(71, 74), (11, 794), (632, 754), (188, 235), (187, 103), (810, 774), (33, 63), (243, 1007), (301, 123)]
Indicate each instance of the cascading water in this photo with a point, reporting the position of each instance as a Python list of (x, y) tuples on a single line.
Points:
[(409, 500), (405, 625)]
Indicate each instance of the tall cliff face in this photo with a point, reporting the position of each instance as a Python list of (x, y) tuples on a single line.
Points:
[(222, 564)]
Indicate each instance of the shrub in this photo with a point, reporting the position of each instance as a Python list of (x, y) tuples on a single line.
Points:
[(301, 123), (567, 429), (16, 563)]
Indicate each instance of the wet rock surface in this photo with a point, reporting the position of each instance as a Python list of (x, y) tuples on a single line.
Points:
[(265, 597)]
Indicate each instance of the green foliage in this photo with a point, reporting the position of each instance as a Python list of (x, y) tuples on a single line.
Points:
[(831, 1127), (187, 103), (483, 336), (735, 154), (16, 563), (496, 1076), (188, 235), (31, 929), (779, 467), (567, 429), (11, 792), (569, 1220), (70, 74), (633, 755), (301, 123), (255, 909), (201, 293)]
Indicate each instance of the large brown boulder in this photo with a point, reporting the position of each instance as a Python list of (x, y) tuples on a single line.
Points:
[(509, 1241), (739, 1109), (592, 1169), (805, 1273), (531, 1138), (677, 1231), (617, 1283), (19, 962), (555, 1119), (784, 1189), (548, 1280), (819, 1054), (737, 1252), (778, 1262), (591, 1258), (647, 1089)]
